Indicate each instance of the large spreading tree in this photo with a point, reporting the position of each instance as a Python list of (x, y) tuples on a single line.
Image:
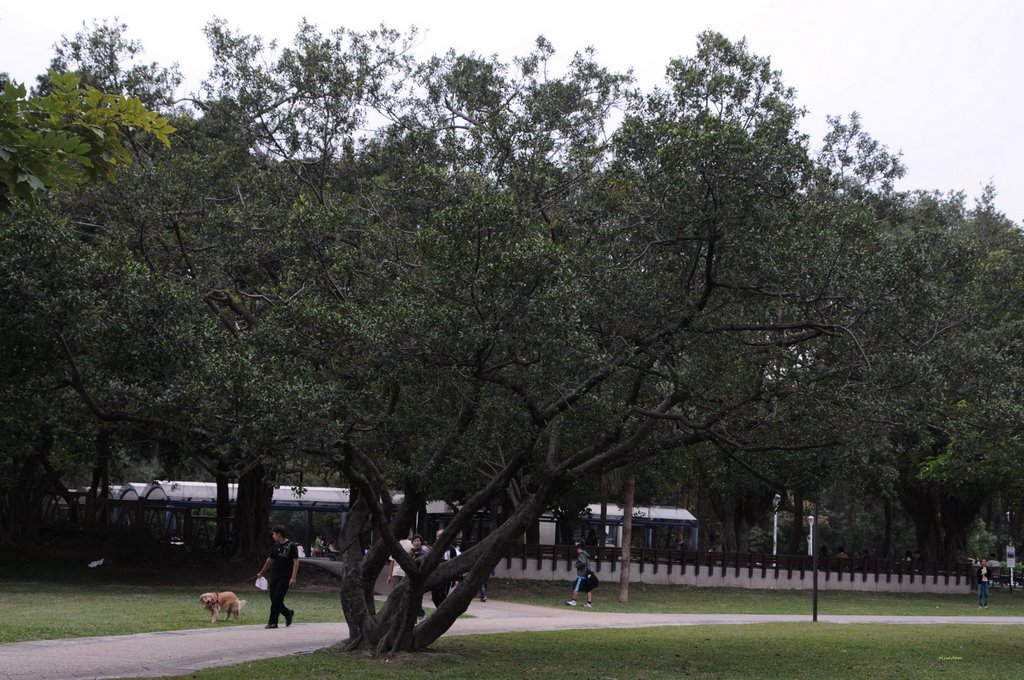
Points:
[(490, 283)]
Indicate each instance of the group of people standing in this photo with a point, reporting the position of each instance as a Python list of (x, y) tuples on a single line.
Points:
[(585, 582), (417, 549)]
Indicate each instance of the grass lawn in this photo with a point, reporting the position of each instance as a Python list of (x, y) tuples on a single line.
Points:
[(136, 597), (96, 605), (789, 651), (132, 598), (690, 600), (76, 611)]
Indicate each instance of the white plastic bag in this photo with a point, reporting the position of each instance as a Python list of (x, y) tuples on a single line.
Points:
[(261, 583)]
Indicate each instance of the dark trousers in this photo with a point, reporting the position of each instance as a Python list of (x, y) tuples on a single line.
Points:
[(438, 595), (278, 588)]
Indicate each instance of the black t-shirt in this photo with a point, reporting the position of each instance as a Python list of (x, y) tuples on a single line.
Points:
[(282, 555)]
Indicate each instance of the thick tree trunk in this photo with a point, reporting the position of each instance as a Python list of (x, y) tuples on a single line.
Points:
[(957, 517), (942, 522), (532, 535), (99, 488), (604, 511), (796, 534), (52, 483), (222, 539), (921, 506), (629, 493), (19, 502), (21, 505), (357, 602), (251, 526), (742, 535), (394, 628), (890, 514), (563, 528), (494, 518), (705, 520)]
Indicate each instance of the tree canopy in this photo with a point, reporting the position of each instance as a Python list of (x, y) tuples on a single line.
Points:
[(493, 283)]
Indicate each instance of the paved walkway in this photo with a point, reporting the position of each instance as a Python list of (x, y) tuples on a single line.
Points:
[(185, 651)]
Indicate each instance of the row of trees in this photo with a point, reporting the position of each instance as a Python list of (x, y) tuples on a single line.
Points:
[(509, 288)]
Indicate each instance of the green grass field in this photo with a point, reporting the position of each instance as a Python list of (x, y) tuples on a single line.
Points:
[(799, 651), (74, 611), (131, 598), (690, 600), (101, 608)]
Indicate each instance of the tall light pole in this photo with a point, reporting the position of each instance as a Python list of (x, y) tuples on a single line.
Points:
[(813, 519), (1011, 550), (775, 528), (810, 535)]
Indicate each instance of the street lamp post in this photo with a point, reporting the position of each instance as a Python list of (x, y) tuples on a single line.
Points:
[(810, 535), (1011, 551), (813, 520), (775, 528)]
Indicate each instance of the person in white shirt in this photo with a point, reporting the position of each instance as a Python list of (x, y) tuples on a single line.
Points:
[(416, 550)]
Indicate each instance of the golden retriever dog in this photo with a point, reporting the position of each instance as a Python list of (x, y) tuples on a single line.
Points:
[(227, 601)]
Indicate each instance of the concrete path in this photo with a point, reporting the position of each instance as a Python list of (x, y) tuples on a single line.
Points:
[(185, 651)]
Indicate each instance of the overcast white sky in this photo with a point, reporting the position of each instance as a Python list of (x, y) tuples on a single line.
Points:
[(937, 79)]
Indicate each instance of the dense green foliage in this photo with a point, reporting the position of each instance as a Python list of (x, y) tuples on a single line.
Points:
[(70, 134)]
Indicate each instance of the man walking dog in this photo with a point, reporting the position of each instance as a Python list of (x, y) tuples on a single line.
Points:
[(283, 564)]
